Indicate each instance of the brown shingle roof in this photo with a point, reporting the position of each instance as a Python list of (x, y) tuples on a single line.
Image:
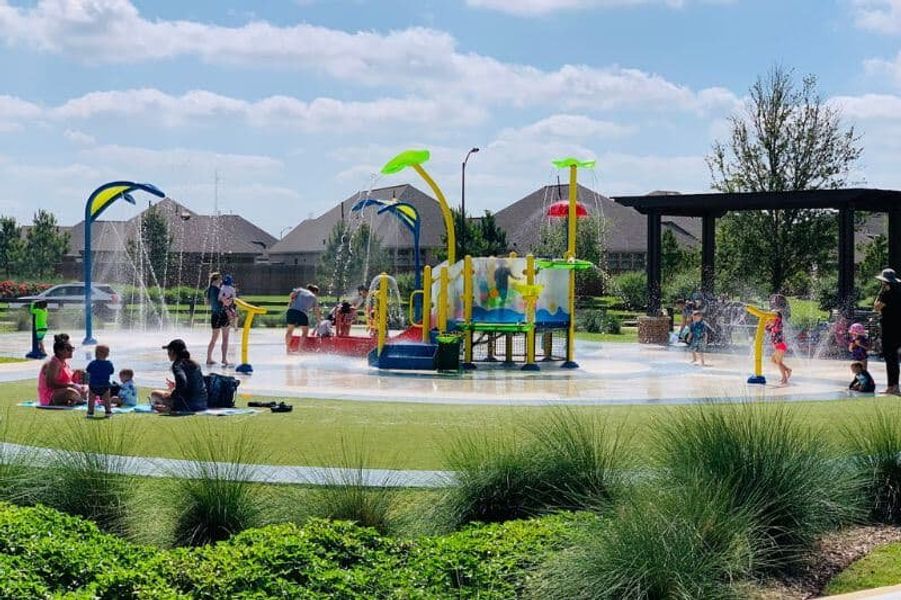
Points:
[(625, 231), (311, 235), (196, 234)]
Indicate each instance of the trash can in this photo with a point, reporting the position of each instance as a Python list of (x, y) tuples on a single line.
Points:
[(447, 357)]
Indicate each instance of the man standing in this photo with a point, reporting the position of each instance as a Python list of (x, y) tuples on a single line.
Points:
[(302, 303), (888, 305)]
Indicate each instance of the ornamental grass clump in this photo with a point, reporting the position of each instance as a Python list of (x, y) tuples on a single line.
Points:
[(19, 476), (215, 496), (565, 460), (661, 543), (875, 444), (349, 491), (85, 476), (771, 466)]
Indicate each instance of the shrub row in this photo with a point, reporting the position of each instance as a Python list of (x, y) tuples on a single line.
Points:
[(14, 289), (44, 552)]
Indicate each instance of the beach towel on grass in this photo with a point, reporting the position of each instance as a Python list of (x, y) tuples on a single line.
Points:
[(146, 409)]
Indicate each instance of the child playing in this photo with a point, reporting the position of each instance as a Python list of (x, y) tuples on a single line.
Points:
[(39, 313), (697, 337), (343, 315), (128, 393), (863, 381), (227, 295), (859, 344), (776, 329), (324, 329), (99, 371)]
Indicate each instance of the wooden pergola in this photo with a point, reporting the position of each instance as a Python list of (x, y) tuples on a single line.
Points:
[(710, 206)]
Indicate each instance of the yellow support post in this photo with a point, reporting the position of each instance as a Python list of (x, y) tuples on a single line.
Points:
[(467, 313), (251, 311), (382, 312), (763, 317), (426, 303), (442, 300), (445, 213), (572, 217), (531, 301)]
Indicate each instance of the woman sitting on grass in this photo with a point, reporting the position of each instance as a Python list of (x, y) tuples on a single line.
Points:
[(57, 382), (187, 393)]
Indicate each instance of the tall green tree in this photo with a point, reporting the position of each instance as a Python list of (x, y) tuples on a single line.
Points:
[(12, 246), (154, 247), (45, 245), (787, 139), (675, 259), (351, 258), (590, 246), (484, 237)]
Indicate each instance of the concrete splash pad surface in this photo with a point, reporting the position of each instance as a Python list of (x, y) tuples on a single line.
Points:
[(610, 374)]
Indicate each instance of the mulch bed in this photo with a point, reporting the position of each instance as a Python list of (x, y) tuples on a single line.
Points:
[(834, 553)]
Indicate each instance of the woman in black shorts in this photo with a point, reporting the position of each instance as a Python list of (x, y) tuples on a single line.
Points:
[(218, 321)]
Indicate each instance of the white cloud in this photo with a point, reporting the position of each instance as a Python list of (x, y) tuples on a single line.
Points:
[(881, 16), (174, 159), (869, 106), (282, 112), (566, 126), (79, 137), (14, 111), (414, 59), (531, 8)]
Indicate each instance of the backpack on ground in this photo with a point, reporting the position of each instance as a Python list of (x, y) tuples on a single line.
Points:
[(221, 390)]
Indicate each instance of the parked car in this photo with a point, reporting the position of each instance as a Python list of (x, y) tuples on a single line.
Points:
[(103, 297)]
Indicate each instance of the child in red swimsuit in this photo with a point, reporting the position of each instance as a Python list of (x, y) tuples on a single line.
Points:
[(776, 329)]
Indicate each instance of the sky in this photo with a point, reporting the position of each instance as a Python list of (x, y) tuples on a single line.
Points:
[(278, 110)]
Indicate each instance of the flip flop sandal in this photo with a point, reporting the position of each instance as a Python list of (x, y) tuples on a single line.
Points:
[(281, 407), (257, 404)]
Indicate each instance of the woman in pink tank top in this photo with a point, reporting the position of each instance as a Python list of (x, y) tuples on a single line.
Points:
[(56, 382)]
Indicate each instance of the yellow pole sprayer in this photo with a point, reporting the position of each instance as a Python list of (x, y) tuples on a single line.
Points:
[(530, 298), (763, 317), (467, 313), (426, 303), (251, 311)]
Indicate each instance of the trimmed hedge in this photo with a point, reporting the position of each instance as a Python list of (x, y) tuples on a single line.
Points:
[(44, 553)]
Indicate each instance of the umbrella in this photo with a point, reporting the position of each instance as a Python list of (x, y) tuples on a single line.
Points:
[(561, 210)]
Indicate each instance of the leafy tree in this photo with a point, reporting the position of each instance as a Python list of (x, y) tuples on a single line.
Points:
[(12, 246), (589, 246), (484, 237), (787, 140), (350, 258), (875, 258), (45, 245), (152, 250), (674, 258)]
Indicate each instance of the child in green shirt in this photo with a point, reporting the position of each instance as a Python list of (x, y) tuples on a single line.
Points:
[(39, 312)]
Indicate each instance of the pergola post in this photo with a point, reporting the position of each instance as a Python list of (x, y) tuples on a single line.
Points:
[(653, 262), (708, 253), (846, 259), (894, 239)]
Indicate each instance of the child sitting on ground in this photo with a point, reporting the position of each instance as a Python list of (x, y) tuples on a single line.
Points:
[(863, 381), (227, 295), (128, 393), (697, 337), (859, 344), (99, 371)]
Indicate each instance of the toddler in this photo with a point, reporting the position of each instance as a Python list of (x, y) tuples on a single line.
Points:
[(343, 315), (39, 313), (99, 371), (227, 295), (863, 381), (776, 329), (859, 344), (324, 329), (128, 393), (697, 336)]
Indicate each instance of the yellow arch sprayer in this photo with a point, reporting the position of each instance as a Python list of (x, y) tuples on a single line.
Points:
[(763, 317), (251, 311)]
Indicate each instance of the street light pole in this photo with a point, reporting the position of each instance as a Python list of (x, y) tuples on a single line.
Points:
[(463, 202)]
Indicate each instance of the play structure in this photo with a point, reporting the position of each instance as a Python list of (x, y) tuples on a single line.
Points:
[(508, 309), (763, 318)]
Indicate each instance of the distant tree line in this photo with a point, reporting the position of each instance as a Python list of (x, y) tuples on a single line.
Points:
[(32, 253)]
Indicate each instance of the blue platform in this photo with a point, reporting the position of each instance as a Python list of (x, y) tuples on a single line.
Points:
[(405, 356)]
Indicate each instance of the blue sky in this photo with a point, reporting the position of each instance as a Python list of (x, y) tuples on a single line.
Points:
[(296, 104)]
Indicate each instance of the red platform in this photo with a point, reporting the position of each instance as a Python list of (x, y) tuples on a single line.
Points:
[(348, 346)]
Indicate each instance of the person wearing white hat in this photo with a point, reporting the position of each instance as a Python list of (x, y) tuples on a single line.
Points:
[(888, 305)]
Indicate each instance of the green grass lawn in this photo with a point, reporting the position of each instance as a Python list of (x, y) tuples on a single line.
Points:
[(399, 435), (11, 359), (629, 335), (880, 568)]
